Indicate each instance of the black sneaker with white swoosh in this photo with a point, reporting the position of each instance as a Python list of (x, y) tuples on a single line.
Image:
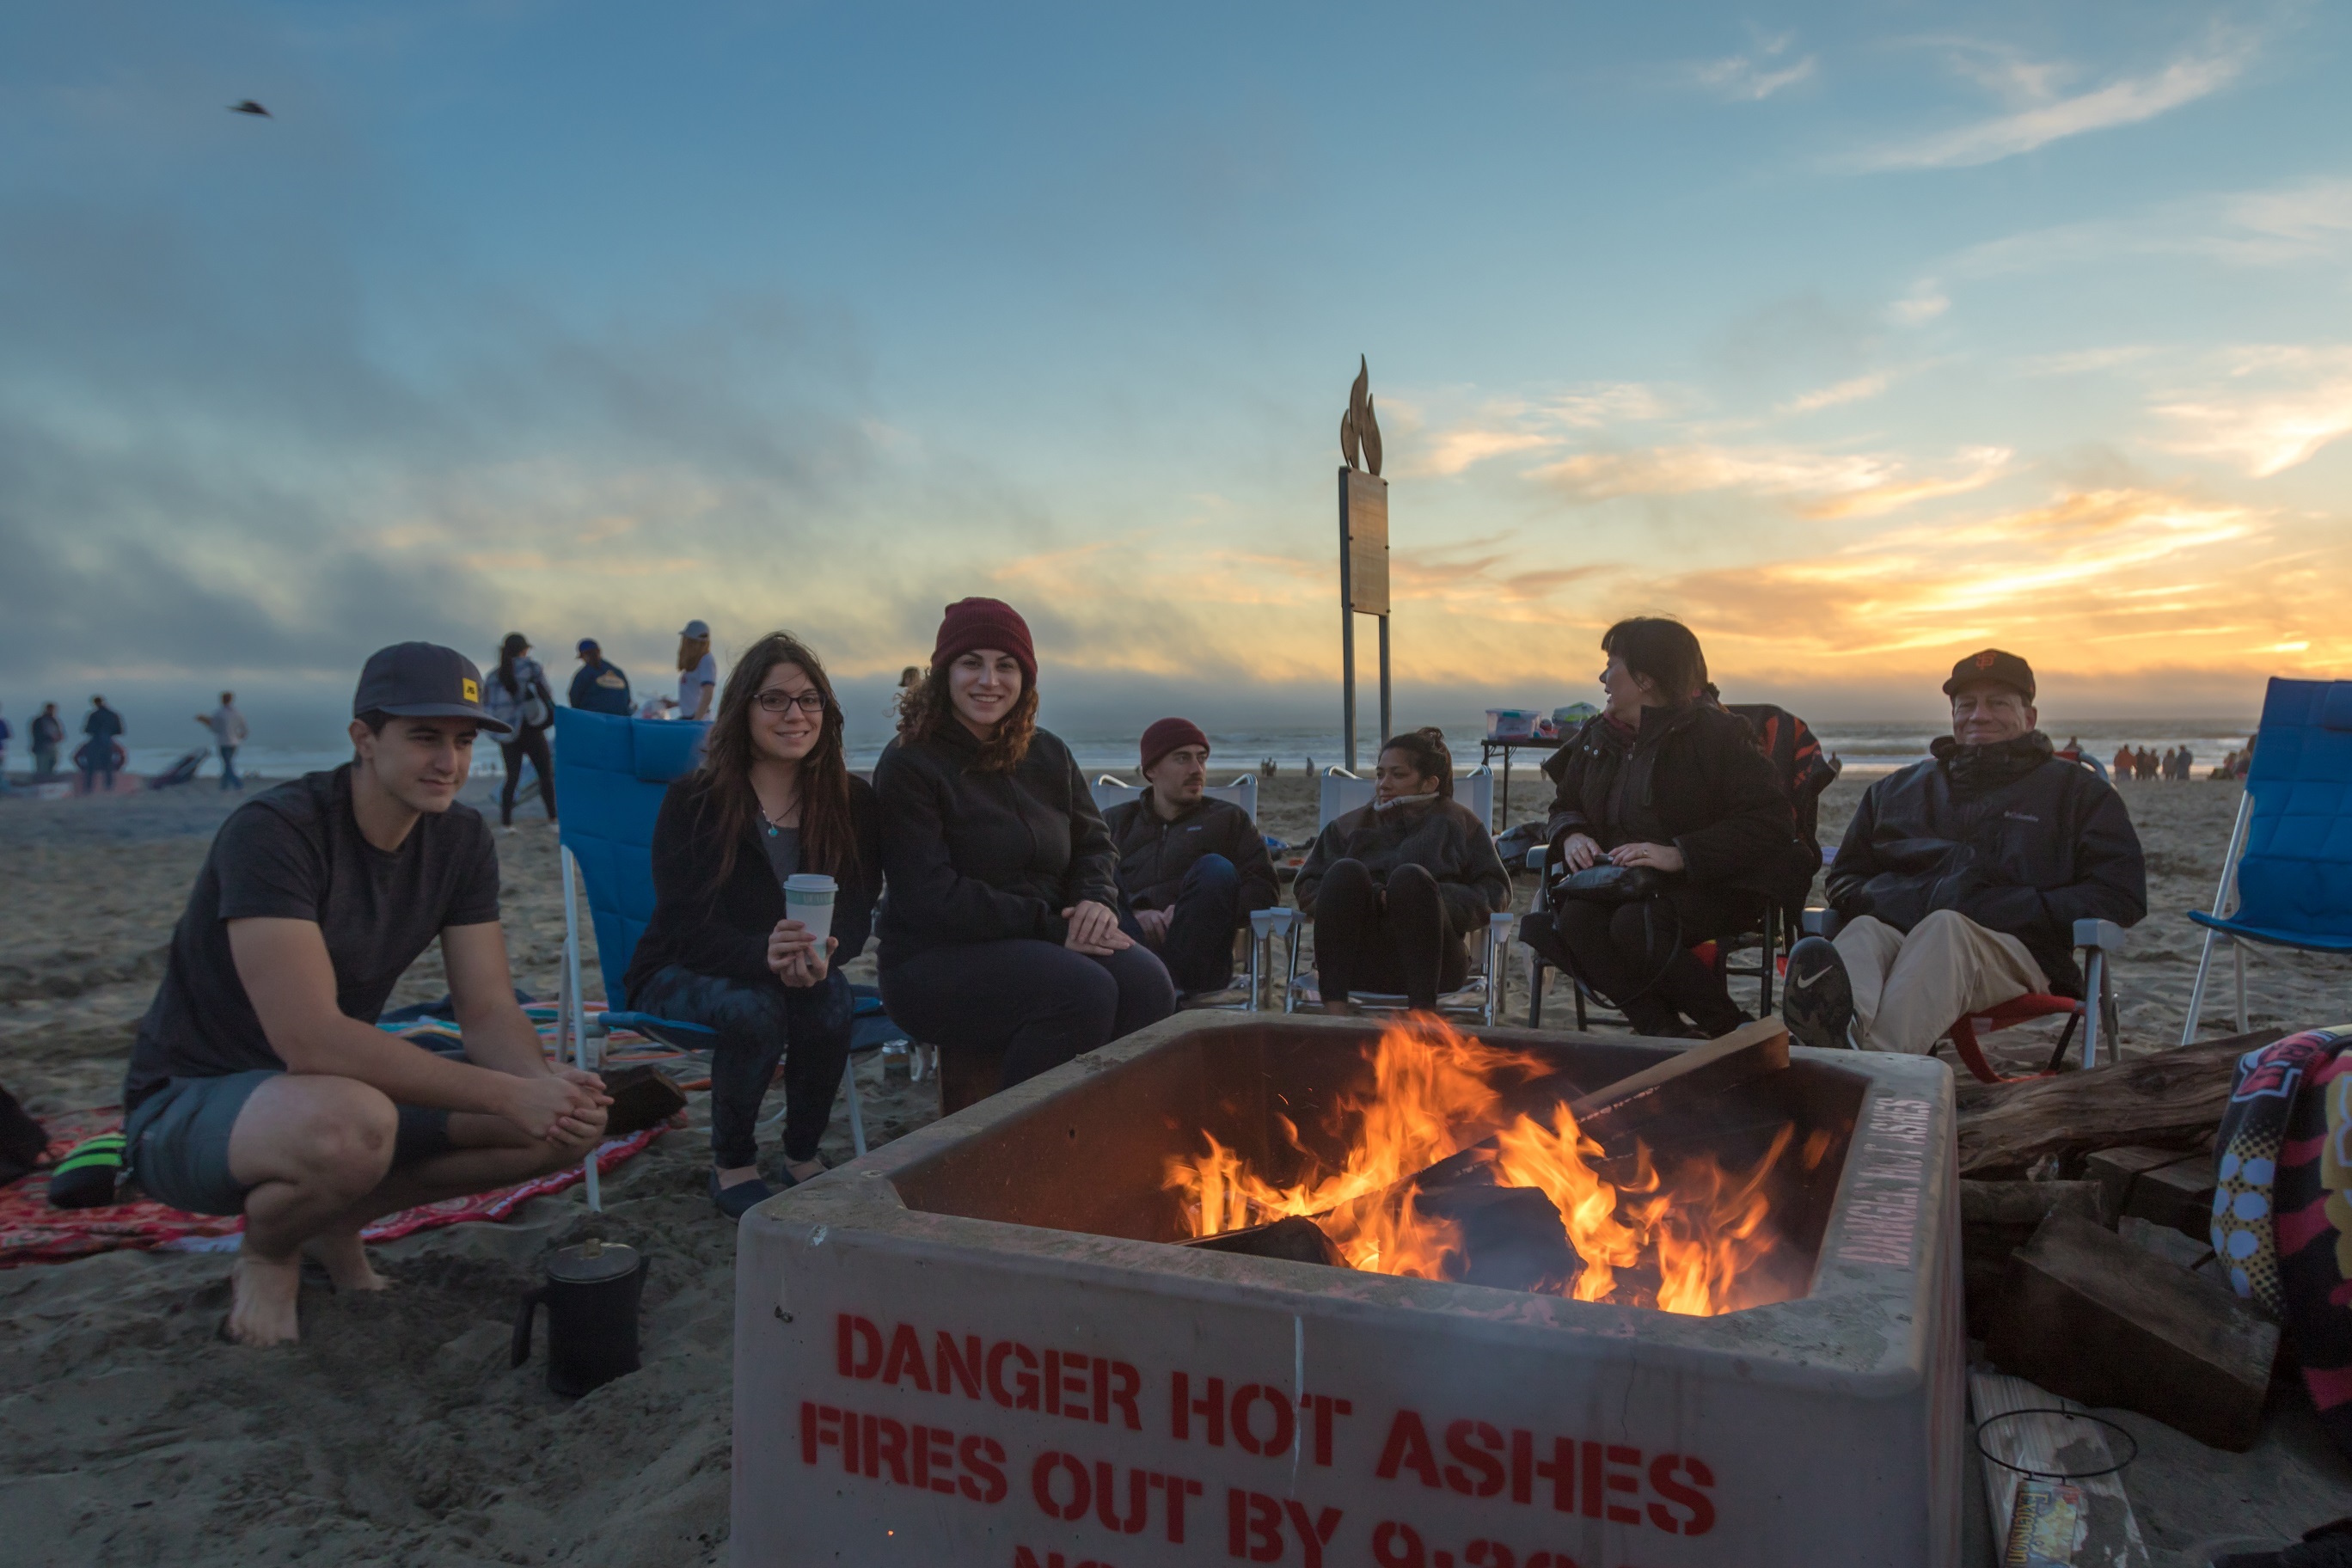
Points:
[(1818, 1001)]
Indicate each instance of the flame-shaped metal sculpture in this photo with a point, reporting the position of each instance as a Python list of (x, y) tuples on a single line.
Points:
[(1360, 428)]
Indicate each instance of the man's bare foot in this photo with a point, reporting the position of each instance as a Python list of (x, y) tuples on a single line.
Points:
[(346, 1261), (262, 1295)]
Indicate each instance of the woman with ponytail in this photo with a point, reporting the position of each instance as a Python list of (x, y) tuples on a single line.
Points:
[(1395, 888), (1001, 930), (773, 797)]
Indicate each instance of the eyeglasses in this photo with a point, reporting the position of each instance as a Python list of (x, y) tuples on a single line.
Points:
[(811, 702)]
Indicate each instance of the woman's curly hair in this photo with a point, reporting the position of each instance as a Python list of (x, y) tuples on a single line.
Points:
[(927, 710)]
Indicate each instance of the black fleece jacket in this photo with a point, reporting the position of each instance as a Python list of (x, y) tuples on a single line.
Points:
[(1692, 776), (1443, 837), (727, 934), (984, 857), (1154, 854), (2007, 835)]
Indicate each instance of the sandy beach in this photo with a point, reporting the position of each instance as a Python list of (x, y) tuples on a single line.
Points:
[(395, 1431)]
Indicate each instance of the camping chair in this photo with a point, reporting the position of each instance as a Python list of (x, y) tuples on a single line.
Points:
[(612, 772), (2289, 863), (1716, 955), (1110, 790), (2098, 941), (1481, 997)]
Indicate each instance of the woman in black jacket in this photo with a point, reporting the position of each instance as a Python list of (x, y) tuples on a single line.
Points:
[(1664, 781), (1001, 927), (1395, 888), (773, 797)]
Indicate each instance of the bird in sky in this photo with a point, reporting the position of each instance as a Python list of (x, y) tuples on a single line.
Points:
[(247, 105)]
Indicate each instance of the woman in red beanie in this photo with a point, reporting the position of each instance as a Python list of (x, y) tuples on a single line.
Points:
[(1001, 931)]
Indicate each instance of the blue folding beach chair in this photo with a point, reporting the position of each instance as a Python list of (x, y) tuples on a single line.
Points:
[(611, 772), (2289, 865)]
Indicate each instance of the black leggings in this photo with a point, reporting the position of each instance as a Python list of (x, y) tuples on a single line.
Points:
[(1038, 1002), (532, 744), (1638, 956), (807, 1028), (1405, 943)]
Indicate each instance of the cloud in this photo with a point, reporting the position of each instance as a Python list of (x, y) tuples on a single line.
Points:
[(2129, 100), (1500, 427), (2280, 404), (1756, 75), (1853, 390), (1925, 303)]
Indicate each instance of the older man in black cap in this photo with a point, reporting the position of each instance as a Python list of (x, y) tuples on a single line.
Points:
[(1961, 877), (260, 1084)]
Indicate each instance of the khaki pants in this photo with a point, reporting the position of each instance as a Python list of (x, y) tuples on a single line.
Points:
[(1908, 987)]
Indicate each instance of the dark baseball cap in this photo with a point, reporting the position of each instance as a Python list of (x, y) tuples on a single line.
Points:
[(1992, 664), (589, 645), (423, 680)]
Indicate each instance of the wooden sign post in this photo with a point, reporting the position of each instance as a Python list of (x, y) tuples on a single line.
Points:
[(1364, 551)]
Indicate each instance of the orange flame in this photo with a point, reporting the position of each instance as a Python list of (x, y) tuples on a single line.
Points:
[(1701, 1232)]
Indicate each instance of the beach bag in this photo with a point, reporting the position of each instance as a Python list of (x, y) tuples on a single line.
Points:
[(2281, 1221)]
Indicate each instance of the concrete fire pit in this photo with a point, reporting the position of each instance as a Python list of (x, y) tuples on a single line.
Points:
[(977, 1345)]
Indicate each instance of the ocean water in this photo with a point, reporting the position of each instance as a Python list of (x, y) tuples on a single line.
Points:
[(1864, 748)]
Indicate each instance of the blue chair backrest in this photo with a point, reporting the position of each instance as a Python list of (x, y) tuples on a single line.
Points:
[(611, 773), (2296, 872)]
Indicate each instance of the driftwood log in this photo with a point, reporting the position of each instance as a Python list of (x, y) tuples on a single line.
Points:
[(2170, 1099)]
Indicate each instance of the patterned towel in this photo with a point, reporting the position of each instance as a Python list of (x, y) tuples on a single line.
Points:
[(2282, 1207)]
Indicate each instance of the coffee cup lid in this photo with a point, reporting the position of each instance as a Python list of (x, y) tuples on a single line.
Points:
[(592, 1260), (808, 883)]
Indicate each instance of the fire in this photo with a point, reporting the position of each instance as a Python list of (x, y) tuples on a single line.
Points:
[(1690, 1241)]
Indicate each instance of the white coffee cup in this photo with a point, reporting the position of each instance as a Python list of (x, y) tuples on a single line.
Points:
[(808, 899)]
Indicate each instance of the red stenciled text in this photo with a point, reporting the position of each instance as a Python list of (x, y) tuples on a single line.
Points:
[(1068, 1487), (880, 1448), (1612, 1482), (1070, 1384), (1256, 1417)]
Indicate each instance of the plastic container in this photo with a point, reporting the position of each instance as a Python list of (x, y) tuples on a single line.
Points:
[(1511, 723)]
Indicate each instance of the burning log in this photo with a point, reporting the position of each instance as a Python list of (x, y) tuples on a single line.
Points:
[(2170, 1099), (1294, 1238)]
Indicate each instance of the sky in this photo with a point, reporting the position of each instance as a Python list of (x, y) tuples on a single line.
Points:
[(1858, 336)]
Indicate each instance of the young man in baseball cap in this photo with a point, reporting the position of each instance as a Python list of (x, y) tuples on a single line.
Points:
[(258, 1083), (1190, 870), (1960, 878)]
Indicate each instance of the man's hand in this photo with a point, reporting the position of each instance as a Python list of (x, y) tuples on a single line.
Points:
[(1155, 925), (560, 1107), (1094, 929), (1579, 851), (1658, 856)]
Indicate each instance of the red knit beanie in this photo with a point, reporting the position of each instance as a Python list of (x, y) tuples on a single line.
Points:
[(1166, 734), (985, 623)]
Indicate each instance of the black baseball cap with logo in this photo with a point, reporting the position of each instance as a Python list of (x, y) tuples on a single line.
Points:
[(423, 680), (1993, 665)]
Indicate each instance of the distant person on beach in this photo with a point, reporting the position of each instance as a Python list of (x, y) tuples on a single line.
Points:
[(772, 798), (48, 734), (519, 698), (2123, 763), (1190, 870), (698, 672), (1960, 878), (260, 1084), (103, 728), (1664, 778), (228, 728), (1396, 888), (1000, 933), (598, 686)]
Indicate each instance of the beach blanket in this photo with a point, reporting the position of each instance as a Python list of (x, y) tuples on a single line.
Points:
[(33, 1232), (2283, 1208)]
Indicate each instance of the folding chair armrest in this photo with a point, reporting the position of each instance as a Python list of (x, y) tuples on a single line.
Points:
[(1274, 921), (1536, 857), (2104, 935), (1821, 923)]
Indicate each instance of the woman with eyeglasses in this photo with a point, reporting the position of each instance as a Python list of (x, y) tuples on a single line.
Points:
[(773, 797), (1001, 934)]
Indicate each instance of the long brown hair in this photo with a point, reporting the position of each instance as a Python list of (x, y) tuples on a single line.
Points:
[(828, 835), (927, 710)]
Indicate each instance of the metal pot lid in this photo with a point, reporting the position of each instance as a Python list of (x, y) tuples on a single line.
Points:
[(590, 1261)]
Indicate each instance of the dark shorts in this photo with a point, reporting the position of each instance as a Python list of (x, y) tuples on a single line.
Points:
[(175, 1144)]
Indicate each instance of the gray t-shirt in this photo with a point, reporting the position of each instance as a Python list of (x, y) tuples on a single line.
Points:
[(784, 846)]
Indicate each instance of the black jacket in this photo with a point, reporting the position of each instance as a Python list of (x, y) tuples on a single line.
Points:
[(982, 857), (727, 934), (2007, 835), (1153, 855), (1692, 776), (1443, 837)]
